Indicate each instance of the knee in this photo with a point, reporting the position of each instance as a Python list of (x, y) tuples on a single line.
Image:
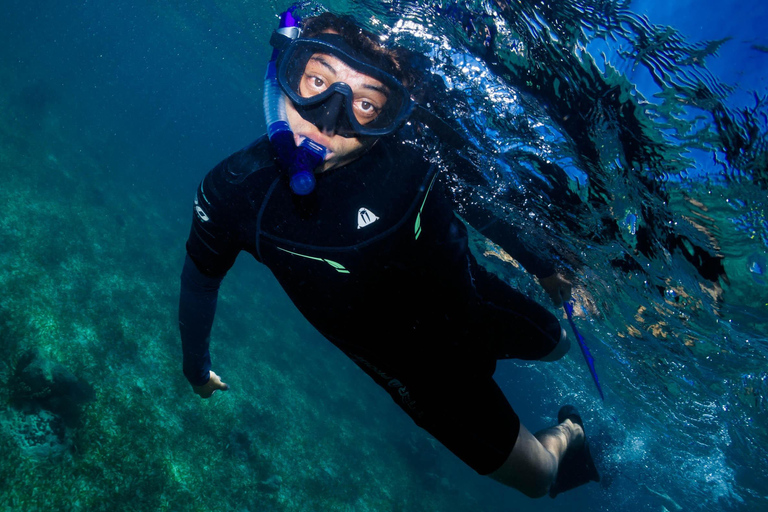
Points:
[(562, 348)]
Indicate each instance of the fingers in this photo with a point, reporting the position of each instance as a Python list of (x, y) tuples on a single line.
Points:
[(217, 384), (558, 288), (209, 388), (202, 391)]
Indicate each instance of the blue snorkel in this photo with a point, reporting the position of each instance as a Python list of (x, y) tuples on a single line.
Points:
[(300, 162), (584, 349)]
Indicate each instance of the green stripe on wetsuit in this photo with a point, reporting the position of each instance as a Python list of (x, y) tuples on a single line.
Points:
[(337, 266), (417, 226)]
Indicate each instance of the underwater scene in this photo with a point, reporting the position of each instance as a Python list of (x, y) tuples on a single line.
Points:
[(628, 139)]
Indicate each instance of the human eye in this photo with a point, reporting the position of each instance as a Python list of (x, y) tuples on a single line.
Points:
[(313, 84), (366, 110)]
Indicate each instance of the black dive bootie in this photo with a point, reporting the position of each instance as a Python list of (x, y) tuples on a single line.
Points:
[(577, 467)]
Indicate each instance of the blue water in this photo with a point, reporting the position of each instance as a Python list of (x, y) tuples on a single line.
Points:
[(112, 113)]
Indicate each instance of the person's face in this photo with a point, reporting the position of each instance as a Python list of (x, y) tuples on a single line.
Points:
[(369, 97)]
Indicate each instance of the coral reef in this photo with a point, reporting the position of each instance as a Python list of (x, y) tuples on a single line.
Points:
[(40, 435), (41, 384)]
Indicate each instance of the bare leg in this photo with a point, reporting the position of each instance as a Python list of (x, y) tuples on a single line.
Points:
[(532, 466)]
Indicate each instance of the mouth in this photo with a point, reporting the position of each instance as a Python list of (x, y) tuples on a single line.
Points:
[(317, 138)]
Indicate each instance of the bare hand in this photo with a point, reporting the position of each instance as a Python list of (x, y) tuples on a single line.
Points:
[(558, 288), (214, 384)]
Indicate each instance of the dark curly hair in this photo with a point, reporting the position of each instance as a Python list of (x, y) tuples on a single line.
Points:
[(391, 60)]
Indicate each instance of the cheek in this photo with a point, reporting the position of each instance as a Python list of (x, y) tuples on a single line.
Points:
[(295, 121), (350, 144)]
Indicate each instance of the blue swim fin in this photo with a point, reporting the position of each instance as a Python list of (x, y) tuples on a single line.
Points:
[(577, 467)]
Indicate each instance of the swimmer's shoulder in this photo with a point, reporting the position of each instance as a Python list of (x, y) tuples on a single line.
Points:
[(244, 175)]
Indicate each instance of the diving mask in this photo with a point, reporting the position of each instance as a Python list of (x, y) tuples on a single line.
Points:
[(308, 77)]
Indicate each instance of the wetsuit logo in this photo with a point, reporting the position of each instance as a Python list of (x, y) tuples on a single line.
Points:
[(365, 217), (200, 212)]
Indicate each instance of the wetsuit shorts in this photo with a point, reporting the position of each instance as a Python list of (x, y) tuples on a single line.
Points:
[(451, 393)]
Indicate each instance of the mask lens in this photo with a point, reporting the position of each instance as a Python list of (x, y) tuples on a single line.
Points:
[(306, 72)]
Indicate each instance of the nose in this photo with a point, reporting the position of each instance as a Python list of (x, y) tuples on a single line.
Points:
[(328, 120)]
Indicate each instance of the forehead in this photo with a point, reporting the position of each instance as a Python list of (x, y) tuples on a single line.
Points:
[(339, 70)]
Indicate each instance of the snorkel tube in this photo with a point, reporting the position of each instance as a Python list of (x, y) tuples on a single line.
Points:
[(300, 162)]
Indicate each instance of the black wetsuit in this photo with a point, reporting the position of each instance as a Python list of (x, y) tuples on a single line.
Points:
[(379, 263)]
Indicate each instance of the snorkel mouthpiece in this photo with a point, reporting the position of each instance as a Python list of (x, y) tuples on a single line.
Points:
[(307, 157)]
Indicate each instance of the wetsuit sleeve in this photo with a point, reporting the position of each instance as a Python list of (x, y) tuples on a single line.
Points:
[(197, 307), (215, 240), (508, 238), (499, 232)]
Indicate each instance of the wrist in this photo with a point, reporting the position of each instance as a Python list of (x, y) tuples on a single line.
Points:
[(198, 379)]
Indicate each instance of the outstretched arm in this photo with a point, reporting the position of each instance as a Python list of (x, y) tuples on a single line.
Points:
[(197, 308), (215, 239), (472, 206), (508, 238)]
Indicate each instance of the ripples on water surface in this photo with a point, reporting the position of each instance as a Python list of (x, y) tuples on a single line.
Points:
[(648, 173)]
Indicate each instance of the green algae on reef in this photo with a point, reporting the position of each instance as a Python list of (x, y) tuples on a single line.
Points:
[(90, 279)]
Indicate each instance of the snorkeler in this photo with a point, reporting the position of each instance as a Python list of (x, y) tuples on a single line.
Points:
[(360, 230)]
